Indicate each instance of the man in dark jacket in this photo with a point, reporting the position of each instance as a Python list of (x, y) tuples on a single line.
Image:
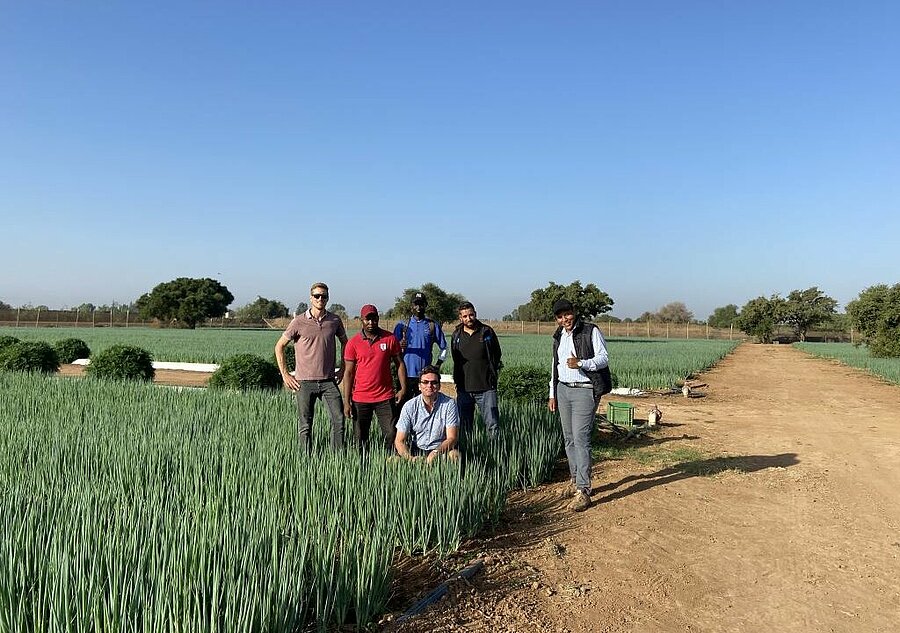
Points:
[(580, 375), (476, 364)]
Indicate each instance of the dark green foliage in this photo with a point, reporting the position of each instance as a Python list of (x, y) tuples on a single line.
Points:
[(185, 301), (246, 371), (442, 305), (524, 383), (760, 316), (876, 314), (122, 362), (260, 309), (589, 301), (6, 341), (71, 349), (290, 358), (724, 316), (29, 356), (806, 309)]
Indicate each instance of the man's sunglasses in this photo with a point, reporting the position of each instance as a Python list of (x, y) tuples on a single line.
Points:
[(429, 382), (319, 296)]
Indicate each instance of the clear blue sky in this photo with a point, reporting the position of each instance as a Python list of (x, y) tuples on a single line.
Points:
[(704, 152)]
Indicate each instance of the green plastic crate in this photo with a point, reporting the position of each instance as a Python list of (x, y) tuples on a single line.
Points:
[(620, 413)]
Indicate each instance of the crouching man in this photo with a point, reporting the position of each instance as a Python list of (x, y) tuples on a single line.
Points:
[(430, 421)]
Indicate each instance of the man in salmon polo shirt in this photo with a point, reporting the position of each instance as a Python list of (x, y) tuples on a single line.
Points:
[(315, 376), (368, 384)]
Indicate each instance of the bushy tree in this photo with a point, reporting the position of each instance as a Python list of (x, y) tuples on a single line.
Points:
[(86, 307), (71, 349), (760, 316), (35, 356), (674, 312), (301, 308), (876, 314), (5, 306), (724, 316), (442, 305), (805, 309), (339, 310), (261, 308), (589, 301), (246, 371), (185, 301), (122, 362)]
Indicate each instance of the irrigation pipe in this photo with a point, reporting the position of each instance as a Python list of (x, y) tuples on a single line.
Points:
[(441, 589)]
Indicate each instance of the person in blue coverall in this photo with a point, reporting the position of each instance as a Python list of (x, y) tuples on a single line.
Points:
[(418, 335)]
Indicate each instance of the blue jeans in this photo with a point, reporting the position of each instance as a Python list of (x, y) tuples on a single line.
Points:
[(576, 416), (487, 404), (310, 391)]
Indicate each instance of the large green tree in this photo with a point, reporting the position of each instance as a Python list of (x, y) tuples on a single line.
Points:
[(442, 305), (261, 308), (185, 301), (760, 316), (723, 316), (805, 309), (5, 306), (876, 314), (589, 301)]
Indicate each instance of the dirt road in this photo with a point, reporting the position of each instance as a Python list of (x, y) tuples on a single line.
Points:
[(770, 504)]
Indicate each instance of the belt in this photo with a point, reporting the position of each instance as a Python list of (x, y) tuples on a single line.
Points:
[(576, 385)]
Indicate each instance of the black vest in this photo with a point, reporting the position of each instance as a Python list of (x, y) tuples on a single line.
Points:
[(601, 379)]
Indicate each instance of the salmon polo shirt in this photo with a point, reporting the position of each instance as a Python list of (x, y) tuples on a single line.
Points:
[(372, 381), (314, 344)]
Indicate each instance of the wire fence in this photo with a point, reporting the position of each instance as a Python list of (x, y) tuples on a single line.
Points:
[(22, 317)]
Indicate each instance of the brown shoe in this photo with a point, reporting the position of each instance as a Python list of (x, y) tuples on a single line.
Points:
[(569, 489), (580, 502)]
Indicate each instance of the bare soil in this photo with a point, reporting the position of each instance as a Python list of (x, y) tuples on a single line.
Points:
[(174, 377), (772, 503)]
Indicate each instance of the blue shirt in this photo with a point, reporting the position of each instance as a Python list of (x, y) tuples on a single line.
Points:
[(427, 430), (419, 343)]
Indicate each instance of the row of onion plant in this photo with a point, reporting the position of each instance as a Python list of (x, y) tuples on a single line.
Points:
[(129, 507)]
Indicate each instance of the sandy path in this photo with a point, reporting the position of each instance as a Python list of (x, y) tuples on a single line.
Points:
[(785, 516)]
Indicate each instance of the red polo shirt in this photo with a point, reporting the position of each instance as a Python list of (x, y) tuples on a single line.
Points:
[(372, 381)]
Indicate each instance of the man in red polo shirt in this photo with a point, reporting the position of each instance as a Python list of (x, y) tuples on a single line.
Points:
[(368, 385)]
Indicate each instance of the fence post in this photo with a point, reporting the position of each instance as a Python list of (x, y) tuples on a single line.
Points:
[(93, 318), (37, 319), (648, 328), (110, 318), (687, 330), (77, 312), (731, 332), (127, 312), (18, 310), (667, 329)]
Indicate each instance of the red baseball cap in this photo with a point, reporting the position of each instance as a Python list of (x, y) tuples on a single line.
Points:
[(366, 310)]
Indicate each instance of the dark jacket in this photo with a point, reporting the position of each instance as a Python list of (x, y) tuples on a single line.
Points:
[(492, 353), (601, 379)]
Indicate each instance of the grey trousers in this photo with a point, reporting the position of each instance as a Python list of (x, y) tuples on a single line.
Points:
[(576, 416), (310, 391)]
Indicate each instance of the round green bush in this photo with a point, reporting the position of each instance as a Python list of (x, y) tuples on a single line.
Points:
[(71, 349), (122, 362), (246, 371), (6, 341), (524, 383), (29, 356)]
